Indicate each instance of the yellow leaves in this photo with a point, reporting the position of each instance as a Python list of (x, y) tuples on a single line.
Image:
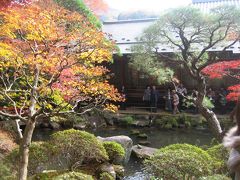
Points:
[(64, 46), (5, 50), (111, 107)]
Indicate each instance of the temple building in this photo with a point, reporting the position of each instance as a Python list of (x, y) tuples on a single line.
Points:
[(125, 32)]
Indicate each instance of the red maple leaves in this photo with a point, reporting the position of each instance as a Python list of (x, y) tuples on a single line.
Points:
[(226, 68), (6, 3)]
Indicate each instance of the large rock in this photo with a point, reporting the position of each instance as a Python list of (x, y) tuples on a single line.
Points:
[(108, 168), (143, 151), (55, 125), (125, 141), (140, 123)]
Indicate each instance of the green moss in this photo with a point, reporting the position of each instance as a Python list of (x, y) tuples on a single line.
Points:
[(60, 175), (180, 160), (114, 150), (106, 176), (215, 177)]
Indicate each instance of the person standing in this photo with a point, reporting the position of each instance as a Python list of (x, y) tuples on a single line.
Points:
[(154, 99), (123, 103), (147, 97), (168, 102), (181, 91), (175, 102)]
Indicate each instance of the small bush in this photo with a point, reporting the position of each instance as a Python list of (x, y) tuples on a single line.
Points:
[(167, 122), (5, 172), (40, 154), (106, 176), (115, 151), (64, 151), (215, 177), (127, 120), (220, 154), (78, 147), (179, 161)]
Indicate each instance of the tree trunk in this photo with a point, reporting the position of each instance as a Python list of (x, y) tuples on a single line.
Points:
[(27, 136), (213, 122), (24, 149), (209, 115)]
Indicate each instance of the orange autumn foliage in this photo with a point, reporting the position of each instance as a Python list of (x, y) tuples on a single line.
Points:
[(65, 48)]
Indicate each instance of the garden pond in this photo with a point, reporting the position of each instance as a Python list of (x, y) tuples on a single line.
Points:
[(155, 138)]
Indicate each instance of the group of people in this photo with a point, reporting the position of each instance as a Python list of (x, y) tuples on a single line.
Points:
[(174, 99), (151, 96)]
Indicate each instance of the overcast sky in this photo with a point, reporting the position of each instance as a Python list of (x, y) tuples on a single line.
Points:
[(148, 5)]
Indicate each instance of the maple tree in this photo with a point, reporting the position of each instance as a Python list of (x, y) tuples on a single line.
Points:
[(97, 6), (50, 64), (226, 68), (6, 3)]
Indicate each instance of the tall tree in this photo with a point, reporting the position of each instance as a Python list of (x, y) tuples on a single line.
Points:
[(195, 40), (50, 63)]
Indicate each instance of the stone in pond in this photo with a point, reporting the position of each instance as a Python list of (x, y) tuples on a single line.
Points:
[(143, 152), (134, 132), (144, 142), (142, 136)]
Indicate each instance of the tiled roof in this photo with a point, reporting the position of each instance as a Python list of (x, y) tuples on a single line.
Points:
[(206, 5), (205, 1), (125, 32)]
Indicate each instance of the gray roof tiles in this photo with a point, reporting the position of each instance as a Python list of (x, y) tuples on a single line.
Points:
[(125, 32)]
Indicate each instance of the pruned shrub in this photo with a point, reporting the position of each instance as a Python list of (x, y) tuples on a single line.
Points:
[(115, 151), (179, 161), (78, 147), (220, 154)]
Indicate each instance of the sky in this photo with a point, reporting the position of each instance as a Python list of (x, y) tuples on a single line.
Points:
[(147, 5)]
